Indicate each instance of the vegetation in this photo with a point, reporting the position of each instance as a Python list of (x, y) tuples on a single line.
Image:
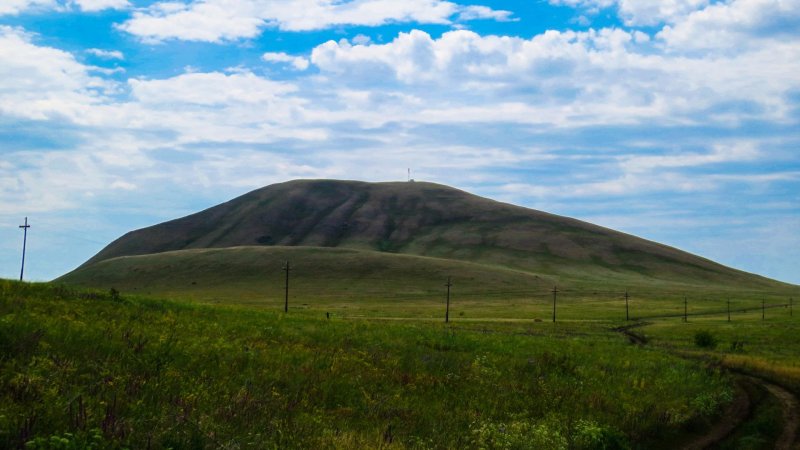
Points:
[(748, 343), (81, 369), (350, 282), (704, 339)]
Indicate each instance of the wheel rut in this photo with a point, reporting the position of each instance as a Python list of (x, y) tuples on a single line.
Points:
[(791, 416), (740, 410)]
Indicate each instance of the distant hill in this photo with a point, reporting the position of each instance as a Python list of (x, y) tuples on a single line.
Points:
[(423, 219)]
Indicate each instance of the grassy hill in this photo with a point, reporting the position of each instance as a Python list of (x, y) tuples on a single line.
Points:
[(424, 219), (368, 283)]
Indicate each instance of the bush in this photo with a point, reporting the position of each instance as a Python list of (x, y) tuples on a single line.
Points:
[(704, 339)]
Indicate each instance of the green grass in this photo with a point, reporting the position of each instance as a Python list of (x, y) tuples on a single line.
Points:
[(764, 347), (380, 284), (79, 369)]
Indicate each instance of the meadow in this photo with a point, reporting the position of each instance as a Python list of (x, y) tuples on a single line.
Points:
[(348, 282), (100, 369)]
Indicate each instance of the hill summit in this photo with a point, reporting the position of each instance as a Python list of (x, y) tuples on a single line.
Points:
[(423, 219)]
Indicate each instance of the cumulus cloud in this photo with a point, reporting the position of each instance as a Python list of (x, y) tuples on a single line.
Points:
[(221, 20), (298, 62), (565, 77), (735, 26)]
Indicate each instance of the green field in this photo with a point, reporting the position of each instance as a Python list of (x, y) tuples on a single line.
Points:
[(82, 368), (365, 283)]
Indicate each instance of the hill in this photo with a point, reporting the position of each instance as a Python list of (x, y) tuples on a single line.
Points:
[(424, 219)]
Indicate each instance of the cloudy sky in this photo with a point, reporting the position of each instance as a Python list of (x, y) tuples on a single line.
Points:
[(675, 120)]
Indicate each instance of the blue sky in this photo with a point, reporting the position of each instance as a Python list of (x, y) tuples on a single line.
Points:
[(674, 120)]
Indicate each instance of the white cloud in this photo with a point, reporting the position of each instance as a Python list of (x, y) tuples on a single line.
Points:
[(654, 12), (564, 78), (298, 62), (218, 107), (43, 82), (640, 12), (99, 5), (361, 39), (123, 185), (106, 54), (221, 20), (18, 6), (213, 88), (735, 26), (736, 152), (476, 12), (591, 5)]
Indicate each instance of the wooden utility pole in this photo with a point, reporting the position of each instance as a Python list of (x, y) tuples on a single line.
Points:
[(763, 309), (729, 310), (447, 307), (685, 309), (286, 268), (555, 293), (24, 243), (790, 306), (627, 316)]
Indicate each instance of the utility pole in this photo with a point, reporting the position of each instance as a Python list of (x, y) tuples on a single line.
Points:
[(24, 243), (555, 293), (685, 309), (763, 309), (729, 310), (790, 306), (286, 268), (447, 308), (627, 316)]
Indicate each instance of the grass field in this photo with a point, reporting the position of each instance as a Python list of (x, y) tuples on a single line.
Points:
[(392, 285), (768, 347), (81, 369)]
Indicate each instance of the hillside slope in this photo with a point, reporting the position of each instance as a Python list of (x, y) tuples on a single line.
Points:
[(421, 219)]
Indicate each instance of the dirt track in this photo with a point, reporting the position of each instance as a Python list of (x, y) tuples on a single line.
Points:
[(741, 408), (737, 412), (791, 417)]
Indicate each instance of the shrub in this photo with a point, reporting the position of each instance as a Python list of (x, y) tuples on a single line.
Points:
[(704, 339)]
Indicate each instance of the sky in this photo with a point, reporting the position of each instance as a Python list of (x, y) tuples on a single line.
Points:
[(673, 120)]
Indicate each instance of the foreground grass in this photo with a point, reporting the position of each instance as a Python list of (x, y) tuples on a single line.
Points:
[(79, 369)]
